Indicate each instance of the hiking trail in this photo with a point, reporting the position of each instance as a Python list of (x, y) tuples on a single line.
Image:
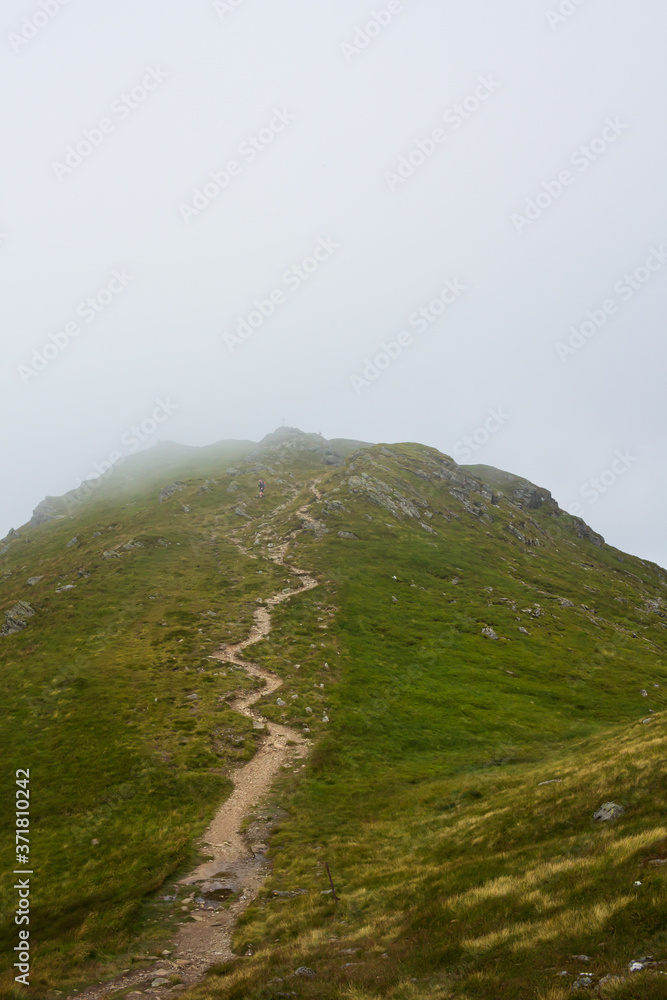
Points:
[(238, 866)]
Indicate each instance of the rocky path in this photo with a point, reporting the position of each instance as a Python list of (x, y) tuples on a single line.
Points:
[(238, 866)]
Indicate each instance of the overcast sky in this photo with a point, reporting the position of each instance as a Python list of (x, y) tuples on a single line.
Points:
[(426, 220)]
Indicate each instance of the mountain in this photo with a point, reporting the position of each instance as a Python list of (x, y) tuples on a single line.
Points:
[(477, 672)]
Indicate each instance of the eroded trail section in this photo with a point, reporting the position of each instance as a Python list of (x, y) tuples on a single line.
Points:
[(238, 866)]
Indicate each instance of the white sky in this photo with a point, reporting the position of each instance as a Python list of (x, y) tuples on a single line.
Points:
[(222, 73)]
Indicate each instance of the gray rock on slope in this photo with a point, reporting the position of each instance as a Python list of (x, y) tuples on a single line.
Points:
[(168, 491), (607, 811), (15, 618)]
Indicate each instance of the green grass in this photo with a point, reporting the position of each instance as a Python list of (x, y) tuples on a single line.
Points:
[(422, 791)]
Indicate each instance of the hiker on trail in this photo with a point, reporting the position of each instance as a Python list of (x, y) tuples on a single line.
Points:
[(262, 487)]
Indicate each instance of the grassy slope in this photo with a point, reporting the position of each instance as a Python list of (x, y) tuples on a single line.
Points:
[(95, 697), (422, 791)]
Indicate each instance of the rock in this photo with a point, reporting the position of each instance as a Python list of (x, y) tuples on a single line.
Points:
[(643, 693), (639, 964), (185, 509), (232, 472), (583, 531), (12, 533), (489, 633), (160, 981), (556, 781), (309, 711), (168, 491), (68, 586), (34, 580), (581, 958), (110, 554), (325, 718), (607, 811), (202, 490), (280, 702), (133, 544), (333, 507), (15, 618), (564, 603), (524, 630), (427, 527), (193, 697), (242, 513), (72, 541), (582, 982), (303, 970), (347, 534), (45, 511)]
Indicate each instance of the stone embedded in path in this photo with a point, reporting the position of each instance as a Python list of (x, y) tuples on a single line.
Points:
[(607, 811)]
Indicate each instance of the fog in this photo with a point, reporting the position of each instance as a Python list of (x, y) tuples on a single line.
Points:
[(391, 221)]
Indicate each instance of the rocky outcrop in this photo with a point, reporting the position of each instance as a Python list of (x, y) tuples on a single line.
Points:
[(15, 618), (583, 531), (168, 491), (47, 510), (382, 495)]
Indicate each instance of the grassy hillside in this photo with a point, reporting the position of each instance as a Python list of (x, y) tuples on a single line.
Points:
[(468, 641)]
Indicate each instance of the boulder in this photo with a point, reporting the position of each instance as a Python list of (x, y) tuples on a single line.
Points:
[(607, 811), (489, 633), (15, 618)]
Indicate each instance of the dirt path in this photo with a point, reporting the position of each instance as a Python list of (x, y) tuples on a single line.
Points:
[(238, 866)]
